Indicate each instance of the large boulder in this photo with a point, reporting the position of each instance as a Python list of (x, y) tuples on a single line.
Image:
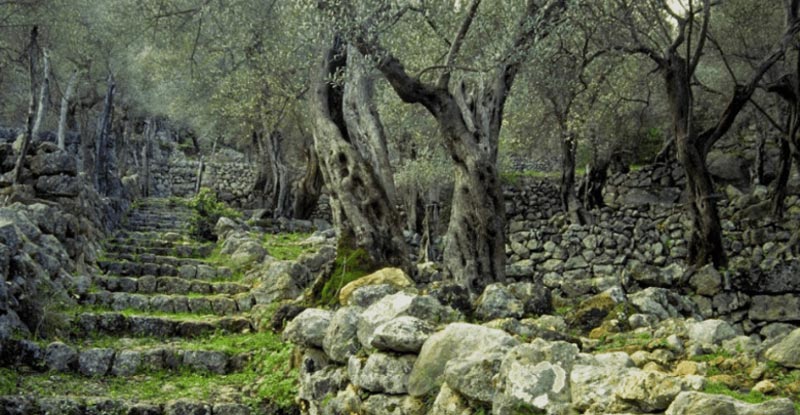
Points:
[(498, 302), (340, 341), (711, 332), (535, 375), (456, 341), (308, 328), (392, 276), (787, 351), (404, 334), (381, 373), (58, 162), (58, 185), (693, 403), (400, 304)]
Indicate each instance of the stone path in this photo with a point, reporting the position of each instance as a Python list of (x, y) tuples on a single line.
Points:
[(161, 331)]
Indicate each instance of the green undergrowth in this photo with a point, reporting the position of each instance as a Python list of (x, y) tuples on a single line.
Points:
[(206, 211), (350, 265), (132, 312), (232, 344), (721, 389), (286, 246), (267, 377)]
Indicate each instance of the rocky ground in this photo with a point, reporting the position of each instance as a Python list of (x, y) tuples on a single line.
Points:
[(394, 349)]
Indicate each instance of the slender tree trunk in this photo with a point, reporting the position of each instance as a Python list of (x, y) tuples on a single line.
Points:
[(29, 125), (199, 177), (102, 153), (779, 186), (593, 182), (758, 169), (62, 118), (362, 213), (705, 242), (44, 95)]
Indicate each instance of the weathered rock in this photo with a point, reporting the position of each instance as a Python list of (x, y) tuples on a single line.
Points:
[(96, 361), (787, 352), (535, 375), (248, 252), (400, 304), (186, 407), (58, 185), (498, 302), (308, 328), (393, 405), (706, 281), (648, 391), (404, 334), (208, 360), (383, 373), (593, 387), (340, 341), (449, 402), (368, 295), (392, 276), (775, 308), (60, 357), (711, 332), (692, 403), (48, 164), (473, 376), (126, 363), (457, 340)]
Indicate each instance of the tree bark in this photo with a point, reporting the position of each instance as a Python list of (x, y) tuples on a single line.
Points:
[(44, 95), (362, 117), (62, 118), (103, 173), (361, 209), (779, 186), (307, 190), (26, 140)]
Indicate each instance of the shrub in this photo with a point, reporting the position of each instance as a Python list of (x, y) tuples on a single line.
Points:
[(207, 211)]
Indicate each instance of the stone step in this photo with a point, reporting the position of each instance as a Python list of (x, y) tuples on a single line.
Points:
[(175, 228), (167, 285), (115, 361), (114, 323), (87, 405), (153, 259), (149, 237), (174, 250), (200, 271), (220, 305)]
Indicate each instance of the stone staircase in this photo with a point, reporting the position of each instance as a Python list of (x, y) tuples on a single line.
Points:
[(163, 330)]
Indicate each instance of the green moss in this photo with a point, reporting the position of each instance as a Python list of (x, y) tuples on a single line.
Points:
[(622, 341), (8, 381), (350, 265), (286, 246)]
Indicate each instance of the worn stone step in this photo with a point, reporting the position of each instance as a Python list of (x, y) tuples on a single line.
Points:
[(119, 361), (201, 271), (115, 323), (175, 250), (153, 237), (154, 259), (220, 304), (167, 285), (88, 405), (157, 228)]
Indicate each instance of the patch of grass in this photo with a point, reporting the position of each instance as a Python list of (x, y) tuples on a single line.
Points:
[(350, 265), (286, 246), (8, 381), (623, 340), (131, 312), (721, 389), (207, 210)]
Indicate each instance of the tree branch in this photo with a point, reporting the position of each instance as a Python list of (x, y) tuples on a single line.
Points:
[(455, 46)]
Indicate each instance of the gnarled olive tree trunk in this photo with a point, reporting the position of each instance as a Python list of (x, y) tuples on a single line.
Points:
[(362, 211)]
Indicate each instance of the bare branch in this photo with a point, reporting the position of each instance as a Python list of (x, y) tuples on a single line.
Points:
[(455, 46)]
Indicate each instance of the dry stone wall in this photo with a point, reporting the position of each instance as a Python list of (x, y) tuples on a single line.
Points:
[(233, 182)]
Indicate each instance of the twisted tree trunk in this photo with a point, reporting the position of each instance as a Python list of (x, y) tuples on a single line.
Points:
[(361, 209)]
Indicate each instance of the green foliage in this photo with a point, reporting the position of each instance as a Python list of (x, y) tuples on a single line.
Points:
[(207, 211), (8, 381), (350, 265)]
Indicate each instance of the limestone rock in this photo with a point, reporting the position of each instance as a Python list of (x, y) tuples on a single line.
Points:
[(383, 373), (535, 375), (711, 332), (775, 308), (308, 328), (457, 340), (449, 402), (787, 351), (95, 361), (393, 405), (498, 302), (404, 334), (649, 391), (392, 276), (692, 403), (473, 375), (368, 295), (400, 304), (340, 341), (60, 357)]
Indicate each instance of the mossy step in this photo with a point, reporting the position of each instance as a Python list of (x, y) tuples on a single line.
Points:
[(220, 304), (167, 285), (150, 236), (121, 361), (72, 405), (180, 250), (165, 326), (157, 228), (150, 258), (200, 271)]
